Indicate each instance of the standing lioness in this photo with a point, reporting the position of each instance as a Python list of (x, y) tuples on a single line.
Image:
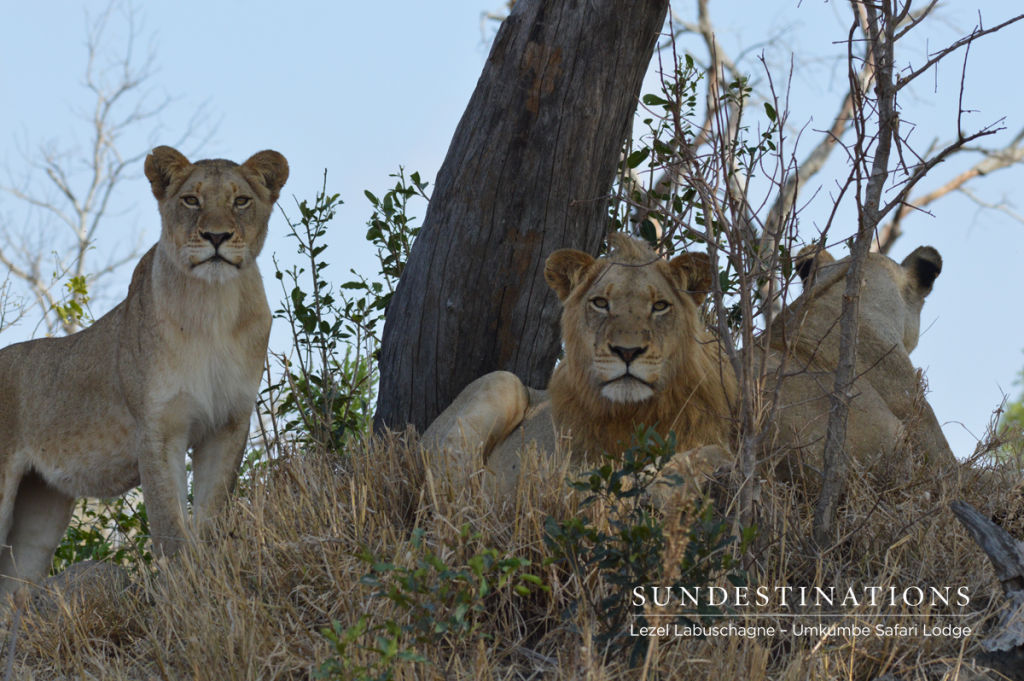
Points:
[(176, 365)]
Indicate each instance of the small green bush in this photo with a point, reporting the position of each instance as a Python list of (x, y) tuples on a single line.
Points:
[(112, 530), (328, 386), (632, 554), (431, 602)]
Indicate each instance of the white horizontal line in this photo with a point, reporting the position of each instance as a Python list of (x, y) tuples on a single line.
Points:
[(802, 614)]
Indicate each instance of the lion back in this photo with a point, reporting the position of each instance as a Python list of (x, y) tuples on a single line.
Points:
[(888, 409)]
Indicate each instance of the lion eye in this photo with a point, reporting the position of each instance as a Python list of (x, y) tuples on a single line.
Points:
[(242, 201), (599, 303), (660, 306), (190, 200)]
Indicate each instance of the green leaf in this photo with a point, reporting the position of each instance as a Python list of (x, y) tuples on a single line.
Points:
[(638, 157), (649, 233), (723, 281), (770, 111), (654, 100)]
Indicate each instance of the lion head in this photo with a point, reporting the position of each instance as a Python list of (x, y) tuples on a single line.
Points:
[(636, 351), (891, 300), (214, 212)]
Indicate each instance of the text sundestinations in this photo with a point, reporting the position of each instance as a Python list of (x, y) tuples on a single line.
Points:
[(786, 596)]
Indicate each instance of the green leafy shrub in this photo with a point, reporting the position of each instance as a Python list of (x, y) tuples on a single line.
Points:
[(114, 530), (632, 553), (432, 602), (73, 309), (329, 383)]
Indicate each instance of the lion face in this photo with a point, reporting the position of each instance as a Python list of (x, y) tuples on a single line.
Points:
[(628, 323), (214, 212), (628, 318)]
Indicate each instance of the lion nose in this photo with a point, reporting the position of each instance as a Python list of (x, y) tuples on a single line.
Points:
[(216, 238), (627, 354)]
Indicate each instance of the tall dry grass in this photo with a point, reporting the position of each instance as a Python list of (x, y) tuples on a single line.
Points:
[(250, 603)]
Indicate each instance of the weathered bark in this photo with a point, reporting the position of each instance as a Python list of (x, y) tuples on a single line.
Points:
[(1004, 647), (526, 174)]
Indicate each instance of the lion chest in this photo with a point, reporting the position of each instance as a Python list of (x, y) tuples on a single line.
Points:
[(206, 381)]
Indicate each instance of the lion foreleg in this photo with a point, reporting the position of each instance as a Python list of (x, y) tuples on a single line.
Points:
[(215, 464), (165, 489), (483, 414), (41, 517)]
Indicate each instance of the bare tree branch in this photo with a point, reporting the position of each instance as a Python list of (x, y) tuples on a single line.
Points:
[(871, 172), (994, 160), (11, 309), (967, 40), (1002, 207), (879, 31), (81, 201)]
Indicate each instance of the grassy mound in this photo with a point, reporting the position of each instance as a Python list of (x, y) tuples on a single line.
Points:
[(421, 581)]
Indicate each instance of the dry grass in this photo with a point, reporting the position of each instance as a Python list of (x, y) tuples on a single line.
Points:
[(251, 602)]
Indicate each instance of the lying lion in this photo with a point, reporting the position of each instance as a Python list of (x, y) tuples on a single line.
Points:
[(175, 366), (636, 352), (887, 387)]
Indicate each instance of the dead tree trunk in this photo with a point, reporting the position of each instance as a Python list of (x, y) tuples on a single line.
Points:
[(1004, 647), (527, 173)]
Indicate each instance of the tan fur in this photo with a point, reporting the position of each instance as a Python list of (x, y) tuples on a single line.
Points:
[(691, 388), (612, 310), (176, 365), (887, 389)]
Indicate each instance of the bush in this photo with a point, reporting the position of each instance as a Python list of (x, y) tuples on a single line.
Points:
[(328, 386), (633, 553), (432, 602), (114, 530)]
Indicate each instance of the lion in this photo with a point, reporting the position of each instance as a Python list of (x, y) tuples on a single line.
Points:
[(175, 366), (636, 352), (887, 405)]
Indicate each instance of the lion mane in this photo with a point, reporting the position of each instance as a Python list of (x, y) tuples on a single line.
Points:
[(697, 388), (635, 353)]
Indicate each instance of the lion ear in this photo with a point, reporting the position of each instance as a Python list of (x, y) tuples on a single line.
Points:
[(564, 270), (694, 273), (807, 263), (166, 166), (270, 169), (923, 266)]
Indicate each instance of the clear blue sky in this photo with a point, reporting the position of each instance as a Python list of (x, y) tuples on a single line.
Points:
[(360, 88)]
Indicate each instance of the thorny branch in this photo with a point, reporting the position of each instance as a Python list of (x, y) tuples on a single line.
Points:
[(998, 159), (942, 54), (753, 241), (871, 164), (11, 309)]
